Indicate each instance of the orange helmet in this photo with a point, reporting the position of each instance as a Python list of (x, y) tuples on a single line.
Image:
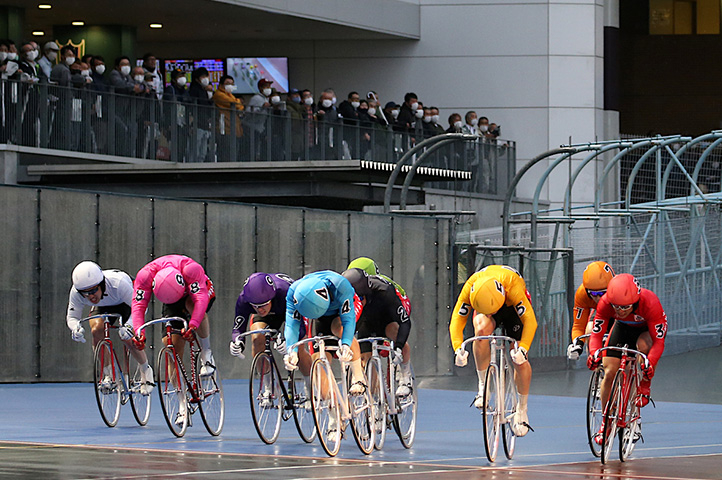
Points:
[(487, 295), (623, 289), (597, 276)]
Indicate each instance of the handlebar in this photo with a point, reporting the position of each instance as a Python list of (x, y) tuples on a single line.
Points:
[(266, 331), (625, 351), (315, 340), (503, 338), (163, 320), (105, 316)]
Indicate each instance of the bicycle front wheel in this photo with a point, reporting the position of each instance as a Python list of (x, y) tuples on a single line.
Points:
[(491, 415), (266, 398), (594, 410), (302, 412), (139, 403), (612, 416), (627, 435), (375, 378), (172, 390), (211, 406), (326, 407), (406, 406), (108, 390), (362, 418), (511, 399)]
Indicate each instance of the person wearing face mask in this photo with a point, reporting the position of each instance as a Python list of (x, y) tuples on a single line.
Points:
[(198, 93), (120, 78), (60, 74), (175, 110), (327, 119), (426, 123), (228, 126), (150, 66), (309, 123), (437, 128), (407, 113), (367, 125), (50, 53), (472, 121), (97, 71), (259, 107), (296, 110), (455, 123), (30, 70), (348, 109), (122, 84)]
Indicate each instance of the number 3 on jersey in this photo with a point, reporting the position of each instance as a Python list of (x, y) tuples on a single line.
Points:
[(598, 322)]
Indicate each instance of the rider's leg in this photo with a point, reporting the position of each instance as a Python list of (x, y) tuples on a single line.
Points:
[(357, 371), (258, 341), (483, 325), (404, 388), (97, 329), (611, 365)]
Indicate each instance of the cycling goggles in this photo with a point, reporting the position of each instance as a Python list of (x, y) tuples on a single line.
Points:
[(259, 305), (90, 291), (596, 293), (622, 307)]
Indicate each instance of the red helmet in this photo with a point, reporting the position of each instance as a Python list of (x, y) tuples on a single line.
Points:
[(623, 289)]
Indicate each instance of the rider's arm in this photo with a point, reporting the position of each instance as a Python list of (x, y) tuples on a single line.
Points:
[(657, 324), (604, 314), (143, 287), (395, 310), (197, 282), (347, 312), (581, 313), (243, 314), (293, 320), (460, 314), (528, 318), (75, 309)]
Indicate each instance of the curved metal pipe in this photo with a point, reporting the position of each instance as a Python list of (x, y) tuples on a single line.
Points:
[(415, 166), (566, 209), (612, 163), (638, 166)]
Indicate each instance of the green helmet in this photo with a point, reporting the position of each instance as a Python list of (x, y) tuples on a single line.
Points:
[(365, 264)]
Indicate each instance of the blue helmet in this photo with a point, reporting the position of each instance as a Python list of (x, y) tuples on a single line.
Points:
[(311, 297), (259, 289)]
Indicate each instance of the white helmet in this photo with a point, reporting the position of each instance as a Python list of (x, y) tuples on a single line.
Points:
[(87, 274)]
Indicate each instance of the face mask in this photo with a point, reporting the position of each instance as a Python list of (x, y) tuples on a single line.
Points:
[(484, 128), (458, 125), (296, 99), (275, 99), (419, 113), (355, 104), (372, 111), (230, 88), (125, 69), (100, 69), (52, 56), (31, 55), (205, 81), (13, 56), (3, 56), (427, 118), (327, 103), (69, 60), (414, 105), (308, 101), (474, 121), (139, 78), (181, 81), (267, 92), (435, 118), (85, 73), (394, 113), (334, 100)]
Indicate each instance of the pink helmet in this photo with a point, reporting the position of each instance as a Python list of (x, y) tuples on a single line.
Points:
[(168, 285)]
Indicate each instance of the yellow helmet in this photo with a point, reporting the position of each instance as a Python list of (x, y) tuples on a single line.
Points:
[(487, 295), (597, 275)]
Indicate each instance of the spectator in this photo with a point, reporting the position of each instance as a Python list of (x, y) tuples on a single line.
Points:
[(494, 130), (100, 104), (229, 126), (260, 108), (327, 118), (418, 124), (87, 58), (389, 114), (120, 78), (80, 137), (50, 53), (30, 70), (177, 89), (97, 67), (150, 65), (407, 114), (471, 123), (309, 122), (143, 87), (367, 124), (176, 115), (428, 129), (435, 125), (296, 112), (122, 83), (348, 109), (276, 127), (455, 123), (60, 74), (200, 92)]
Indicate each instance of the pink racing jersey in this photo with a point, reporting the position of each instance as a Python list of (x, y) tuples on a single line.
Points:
[(196, 285)]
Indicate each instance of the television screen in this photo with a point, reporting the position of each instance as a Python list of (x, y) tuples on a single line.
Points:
[(213, 65), (248, 71)]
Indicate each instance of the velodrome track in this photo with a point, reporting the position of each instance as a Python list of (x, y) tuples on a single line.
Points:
[(54, 431)]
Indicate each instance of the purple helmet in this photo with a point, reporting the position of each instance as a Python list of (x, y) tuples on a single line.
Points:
[(259, 289)]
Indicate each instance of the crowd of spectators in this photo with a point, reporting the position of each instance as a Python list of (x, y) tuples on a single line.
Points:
[(209, 123)]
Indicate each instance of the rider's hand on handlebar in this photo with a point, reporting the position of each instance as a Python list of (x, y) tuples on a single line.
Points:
[(461, 357), (78, 334), (648, 371), (237, 349), (290, 361), (125, 332), (519, 355), (139, 341), (189, 333), (345, 354), (280, 345), (398, 356), (593, 361), (575, 349)]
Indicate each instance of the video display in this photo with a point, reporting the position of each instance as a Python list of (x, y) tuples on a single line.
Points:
[(247, 71)]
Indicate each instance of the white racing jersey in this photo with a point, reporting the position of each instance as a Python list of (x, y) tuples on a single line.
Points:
[(118, 289)]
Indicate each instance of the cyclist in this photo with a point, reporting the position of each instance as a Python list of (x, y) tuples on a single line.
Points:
[(106, 291), (499, 297), (263, 302), (328, 298), (595, 279), (369, 266), (639, 320), (383, 313)]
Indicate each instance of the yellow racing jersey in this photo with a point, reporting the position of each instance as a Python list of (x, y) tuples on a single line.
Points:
[(516, 296)]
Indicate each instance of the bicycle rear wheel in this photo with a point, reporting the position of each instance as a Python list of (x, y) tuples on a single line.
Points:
[(362, 417), (326, 407), (266, 398), (139, 403), (171, 388), (631, 420), (594, 410), (612, 414), (406, 406), (491, 415), (212, 406), (511, 399), (106, 372), (302, 412), (375, 378)]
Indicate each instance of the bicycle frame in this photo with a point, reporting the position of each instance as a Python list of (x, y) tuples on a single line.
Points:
[(115, 367), (378, 345)]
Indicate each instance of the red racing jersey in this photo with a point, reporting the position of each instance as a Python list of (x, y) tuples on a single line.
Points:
[(647, 311)]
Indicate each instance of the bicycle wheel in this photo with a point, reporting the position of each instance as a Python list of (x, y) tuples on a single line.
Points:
[(107, 384), (612, 416), (360, 406), (171, 388), (211, 406), (376, 389), (266, 398), (302, 411), (594, 410), (631, 419), (139, 403), (511, 399), (491, 415), (406, 406), (325, 406)]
